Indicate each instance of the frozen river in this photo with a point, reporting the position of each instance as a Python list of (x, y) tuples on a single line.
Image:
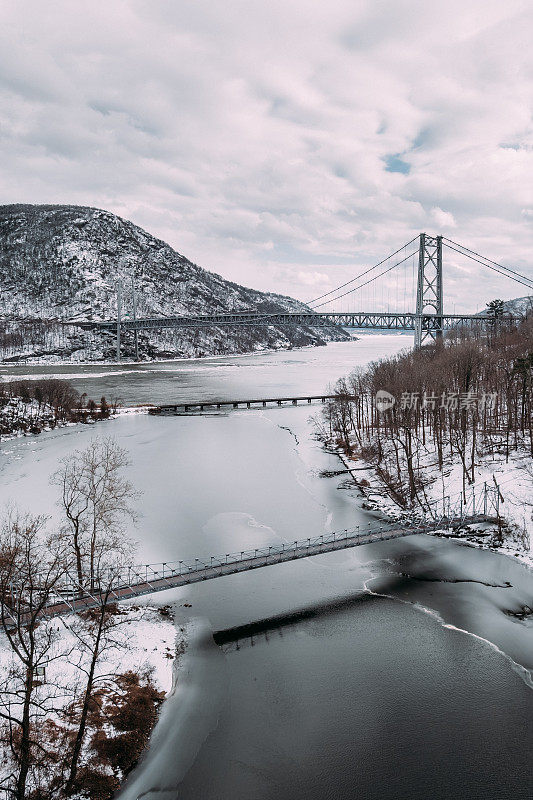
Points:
[(388, 671)]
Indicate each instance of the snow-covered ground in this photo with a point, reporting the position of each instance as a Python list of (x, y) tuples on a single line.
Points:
[(22, 418), (150, 641), (513, 476), (144, 641), (18, 417)]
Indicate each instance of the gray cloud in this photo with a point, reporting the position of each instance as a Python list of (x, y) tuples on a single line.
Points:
[(283, 145)]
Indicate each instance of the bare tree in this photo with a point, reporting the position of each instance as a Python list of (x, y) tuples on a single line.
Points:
[(29, 574), (96, 637), (97, 501), (470, 398), (34, 570)]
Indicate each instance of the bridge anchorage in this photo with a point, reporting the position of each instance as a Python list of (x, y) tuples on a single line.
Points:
[(422, 257)]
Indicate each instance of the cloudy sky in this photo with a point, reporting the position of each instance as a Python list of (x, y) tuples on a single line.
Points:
[(285, 144)]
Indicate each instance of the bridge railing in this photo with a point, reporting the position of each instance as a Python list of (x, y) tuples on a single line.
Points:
[(482, 500), (146, 575), (120, 583), (112, 581)]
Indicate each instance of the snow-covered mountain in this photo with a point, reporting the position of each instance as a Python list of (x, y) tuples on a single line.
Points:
[(62, 263), (519, 306)]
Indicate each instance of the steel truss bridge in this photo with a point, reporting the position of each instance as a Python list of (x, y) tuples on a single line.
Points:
[(357, 319)]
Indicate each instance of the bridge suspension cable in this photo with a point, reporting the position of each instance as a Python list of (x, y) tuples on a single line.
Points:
[(361, 274), (375, 277), (507, 272)]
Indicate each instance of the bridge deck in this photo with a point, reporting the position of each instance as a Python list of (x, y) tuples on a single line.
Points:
[(262, 402), (399, 321), (137, 581)]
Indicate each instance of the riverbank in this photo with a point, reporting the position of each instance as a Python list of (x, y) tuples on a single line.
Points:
[(447, 431), (56, 359), (291, 713), (27, 418), (514, 476), (20, 417), (44, 404)]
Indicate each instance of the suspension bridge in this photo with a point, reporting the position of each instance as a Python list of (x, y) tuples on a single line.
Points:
[(125, 583), (405, 290)]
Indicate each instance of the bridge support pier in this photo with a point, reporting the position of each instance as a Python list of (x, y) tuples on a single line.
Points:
[(119, 314)]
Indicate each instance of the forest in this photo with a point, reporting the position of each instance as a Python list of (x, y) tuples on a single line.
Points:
[(76, 705), (30, 406), (465, 400)]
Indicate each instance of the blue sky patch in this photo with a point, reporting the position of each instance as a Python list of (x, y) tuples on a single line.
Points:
[(394, 163)]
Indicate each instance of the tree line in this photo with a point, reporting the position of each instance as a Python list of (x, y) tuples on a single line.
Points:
[(466, 396), (27, 405)]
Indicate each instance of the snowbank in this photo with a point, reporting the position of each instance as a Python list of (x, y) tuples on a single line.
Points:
[(513, 475)]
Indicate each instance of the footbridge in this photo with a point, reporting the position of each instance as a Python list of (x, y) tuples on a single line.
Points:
[(136, 581), (262, 402)]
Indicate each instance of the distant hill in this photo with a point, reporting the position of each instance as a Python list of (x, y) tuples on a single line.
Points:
[(62, 263), (520, 305)]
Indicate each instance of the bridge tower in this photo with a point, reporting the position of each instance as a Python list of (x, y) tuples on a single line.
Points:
[(429, 311)]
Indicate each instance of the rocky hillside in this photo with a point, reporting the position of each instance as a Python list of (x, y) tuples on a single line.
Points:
[(61, 263), (518, 306)]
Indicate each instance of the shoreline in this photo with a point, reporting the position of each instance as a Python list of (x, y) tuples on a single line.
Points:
[(147, 362), (185, 707), (125, 362), (377, 499), (191, 359), (149, 642), (179, 706)]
